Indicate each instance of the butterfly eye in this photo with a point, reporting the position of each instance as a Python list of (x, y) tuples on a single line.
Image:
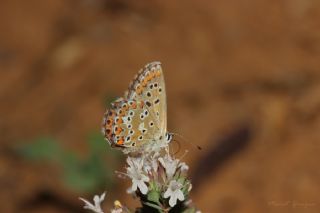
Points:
[(168, 136), (131, 113), (128, 138), (140, 137), (141, 116), (131, 132), (151, 86), (160, 90), (146, 113), (151, 123), (155, 85), (149, 94), (129, 127)]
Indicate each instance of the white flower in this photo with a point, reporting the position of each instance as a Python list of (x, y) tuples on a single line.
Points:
[(147, 168), (154, 161), (184, 167), (169, 164), (97, 203), (135, 172), (174, 192), (136, 163), (151, 164), (138, 180)]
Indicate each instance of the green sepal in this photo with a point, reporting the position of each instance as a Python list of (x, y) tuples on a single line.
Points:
[(153, 196)]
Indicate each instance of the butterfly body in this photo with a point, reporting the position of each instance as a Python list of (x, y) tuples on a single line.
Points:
[(138, 121)]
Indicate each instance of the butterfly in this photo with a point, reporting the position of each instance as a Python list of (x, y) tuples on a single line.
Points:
[(138, 121)]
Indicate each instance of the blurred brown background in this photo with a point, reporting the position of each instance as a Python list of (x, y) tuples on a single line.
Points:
[(242, 81)]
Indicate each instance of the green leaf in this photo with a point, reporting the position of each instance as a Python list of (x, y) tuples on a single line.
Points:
[(81, 175), (97, 144), (43, 148), (86, 175), (153, 205), (80, 181)]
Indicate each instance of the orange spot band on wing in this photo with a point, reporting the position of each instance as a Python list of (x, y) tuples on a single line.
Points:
[(109, 121), (125, 107), (120, 141), (138, 89), (119, 121), (144, 82), (134, 105), (149, 77), (108, 132), (119, 130)]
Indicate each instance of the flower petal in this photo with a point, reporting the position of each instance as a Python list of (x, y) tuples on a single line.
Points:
[(102, 196), (173, 200), (87, 203), (145, 178), (167, 193), (180, 195), (96, 200), (143, 187), (134, 185)]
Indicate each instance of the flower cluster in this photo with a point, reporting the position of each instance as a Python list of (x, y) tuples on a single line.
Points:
[(96, 206), (158, 179)]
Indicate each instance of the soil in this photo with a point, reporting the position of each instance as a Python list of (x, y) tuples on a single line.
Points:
[(242, 82)]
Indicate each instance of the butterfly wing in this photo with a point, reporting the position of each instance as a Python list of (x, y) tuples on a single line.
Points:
[(140, 118), (128, 124), (149, 86)]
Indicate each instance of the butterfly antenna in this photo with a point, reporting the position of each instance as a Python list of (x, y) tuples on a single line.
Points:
[(184, 154), (186, 141), (179, 146)]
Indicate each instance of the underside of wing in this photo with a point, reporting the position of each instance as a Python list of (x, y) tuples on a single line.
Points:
[(129, 124), (149, 86)]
